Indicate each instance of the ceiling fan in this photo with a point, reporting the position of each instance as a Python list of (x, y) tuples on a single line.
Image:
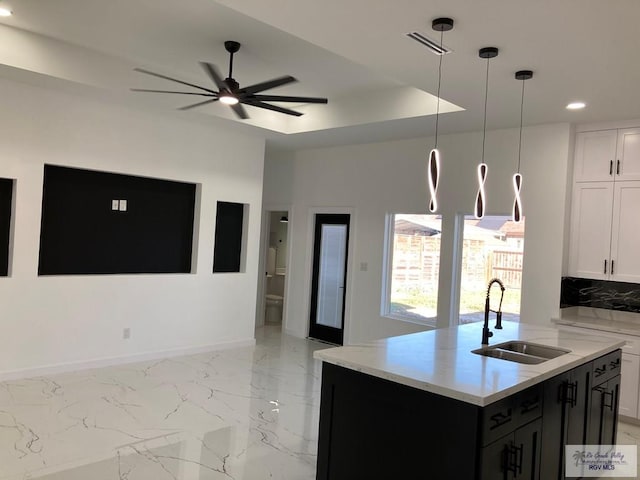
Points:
[(229, 91)]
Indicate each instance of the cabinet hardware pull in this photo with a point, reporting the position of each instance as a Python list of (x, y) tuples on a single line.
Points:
[(611, 167), (606, 394), (605, 266), (571, 393), (601, 371), (512, 458), (529, 405), (614, 363), (612, 266), (618, 167), (500, 418)]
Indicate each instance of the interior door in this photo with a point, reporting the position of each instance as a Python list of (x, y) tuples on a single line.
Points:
[(330, 254)]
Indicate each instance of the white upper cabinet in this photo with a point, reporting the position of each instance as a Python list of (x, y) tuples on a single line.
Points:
[(628, 154), (605, 223), (591, 230), (595, 159), (625, 234)]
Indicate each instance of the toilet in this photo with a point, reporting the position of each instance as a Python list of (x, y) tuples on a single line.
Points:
[(273, 308)]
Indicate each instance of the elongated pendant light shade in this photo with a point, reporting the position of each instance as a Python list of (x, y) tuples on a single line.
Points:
[(433, 165), (481, 199), (517, 177)]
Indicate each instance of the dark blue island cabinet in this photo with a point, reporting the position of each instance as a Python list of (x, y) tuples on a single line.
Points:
[(376, 429)]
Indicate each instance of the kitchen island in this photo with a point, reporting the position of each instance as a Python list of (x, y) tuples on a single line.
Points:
[(425, 406)]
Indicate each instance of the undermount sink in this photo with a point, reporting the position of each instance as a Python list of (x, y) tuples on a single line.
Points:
[(521, 352)]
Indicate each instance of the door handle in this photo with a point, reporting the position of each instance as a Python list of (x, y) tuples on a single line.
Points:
[(610, 167), (618, 167), (612, 266), (605, 266)]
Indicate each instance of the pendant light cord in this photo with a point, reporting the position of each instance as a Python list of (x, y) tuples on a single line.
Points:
[(521, 111), (439, 82), (486, 95)]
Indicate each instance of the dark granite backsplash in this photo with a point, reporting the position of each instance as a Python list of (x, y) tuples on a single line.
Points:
[(583, 292)]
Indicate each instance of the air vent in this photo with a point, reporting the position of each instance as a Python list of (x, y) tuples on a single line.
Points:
[(432, 45)]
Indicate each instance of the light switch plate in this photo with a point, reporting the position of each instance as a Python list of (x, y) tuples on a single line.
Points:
[(115, 204), (123, 205)]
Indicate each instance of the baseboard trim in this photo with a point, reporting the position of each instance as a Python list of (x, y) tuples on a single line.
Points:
[(120, 360)]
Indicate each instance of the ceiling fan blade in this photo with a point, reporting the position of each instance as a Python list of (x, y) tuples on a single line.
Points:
[(239, 111), (199, 104), (273, 107), (279, 98), (259, 87), (171, 91), (147, 72), (214, 75)]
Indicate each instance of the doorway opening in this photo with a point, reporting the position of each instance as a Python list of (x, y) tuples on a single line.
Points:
[(275, 268)]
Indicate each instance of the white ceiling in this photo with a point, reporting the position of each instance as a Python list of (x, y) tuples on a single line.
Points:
[(379, 83)]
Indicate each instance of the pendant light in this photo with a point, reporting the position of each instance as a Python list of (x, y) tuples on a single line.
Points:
[(488, 53), (517, 177), (433, 169)]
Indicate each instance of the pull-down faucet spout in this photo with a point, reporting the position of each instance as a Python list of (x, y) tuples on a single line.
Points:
[(486, 333)]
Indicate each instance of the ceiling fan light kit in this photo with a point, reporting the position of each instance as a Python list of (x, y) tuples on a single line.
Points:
[(229, 91), (441, 25)]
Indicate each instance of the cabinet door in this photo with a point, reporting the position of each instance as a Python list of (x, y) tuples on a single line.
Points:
[(591, 230), (610, 400), (578, 392), (494, 458), (625, 236), (594, 428), (527, 444), (595, 156), (554, 425), (628, 154), (629, 385)]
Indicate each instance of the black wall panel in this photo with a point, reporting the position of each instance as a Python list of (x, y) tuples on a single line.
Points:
[(81, 234), (227, 250), (6, 194)]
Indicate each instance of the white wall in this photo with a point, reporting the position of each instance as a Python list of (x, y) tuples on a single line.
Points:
[(376, 179), (48, 321)]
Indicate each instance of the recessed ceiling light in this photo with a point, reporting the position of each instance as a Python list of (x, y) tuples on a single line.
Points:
[(5, 12), (576, 105)]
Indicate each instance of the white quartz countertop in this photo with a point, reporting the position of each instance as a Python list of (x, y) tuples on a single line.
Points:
[(440, 361), (600, 319)]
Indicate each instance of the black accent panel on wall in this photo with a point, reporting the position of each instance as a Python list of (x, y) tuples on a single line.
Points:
[(6, 196), (227, 249), (584, 292), (87, 228)]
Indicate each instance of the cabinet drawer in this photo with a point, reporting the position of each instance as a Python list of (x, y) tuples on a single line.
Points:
[(504, 416), (606, 367)]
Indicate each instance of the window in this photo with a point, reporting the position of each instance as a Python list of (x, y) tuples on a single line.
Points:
[(413, 249), (492, 248)]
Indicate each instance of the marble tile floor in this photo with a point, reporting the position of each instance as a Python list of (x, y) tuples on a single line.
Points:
[(243, 414)]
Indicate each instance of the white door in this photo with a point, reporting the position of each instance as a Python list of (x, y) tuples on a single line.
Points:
[(628, 167), (595, 158), (625, 237), (591, 230)]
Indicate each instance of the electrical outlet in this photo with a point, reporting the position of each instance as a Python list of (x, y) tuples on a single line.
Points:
[(126, 333)]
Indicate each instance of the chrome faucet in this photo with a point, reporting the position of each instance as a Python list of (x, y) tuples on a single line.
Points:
[(486, 333)]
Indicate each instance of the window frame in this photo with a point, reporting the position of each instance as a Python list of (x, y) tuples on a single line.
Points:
[(387, 275)]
